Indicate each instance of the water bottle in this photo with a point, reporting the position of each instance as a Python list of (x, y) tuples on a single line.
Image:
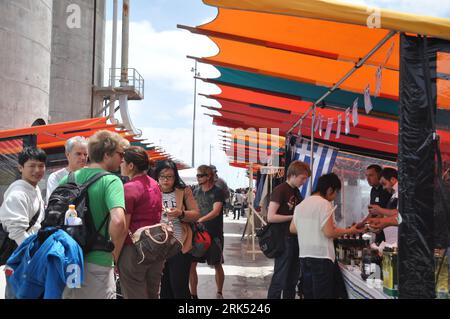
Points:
[(442, 280), (71, 217)]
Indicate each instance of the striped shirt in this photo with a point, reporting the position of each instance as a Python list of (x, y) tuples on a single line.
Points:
[(169, 201)]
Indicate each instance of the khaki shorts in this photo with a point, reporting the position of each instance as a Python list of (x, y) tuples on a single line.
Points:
[(98, 284), (138, 281)]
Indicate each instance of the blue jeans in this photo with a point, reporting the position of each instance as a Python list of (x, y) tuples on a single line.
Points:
[(318, 278), (286, 272)]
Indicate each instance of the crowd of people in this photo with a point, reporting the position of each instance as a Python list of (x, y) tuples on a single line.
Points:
[(308, 265), (118, 209)]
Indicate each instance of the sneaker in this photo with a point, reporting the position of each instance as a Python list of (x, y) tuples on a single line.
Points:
[(219, 295)]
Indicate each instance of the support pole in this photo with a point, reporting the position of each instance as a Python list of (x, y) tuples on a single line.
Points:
[(112, 79), (125, 42), (123, 99), (250, 200), (312, 148), (193, 119)]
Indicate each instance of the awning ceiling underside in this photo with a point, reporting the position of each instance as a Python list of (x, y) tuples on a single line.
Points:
[(55, 136), (240, 144), (344, 12), (273, 66)]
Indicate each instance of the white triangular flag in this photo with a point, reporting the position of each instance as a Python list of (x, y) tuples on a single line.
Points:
[(328, 131), (378, 81), (320, 125), (355, 112), (338, 129), (347, 121), (300, 129), (316, 125), (367, 100)]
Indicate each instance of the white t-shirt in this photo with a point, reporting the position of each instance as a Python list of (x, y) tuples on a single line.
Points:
[(53, 181), (21, 202), (310, 216)]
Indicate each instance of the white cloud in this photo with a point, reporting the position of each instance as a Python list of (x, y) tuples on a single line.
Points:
[(162, 56), (178, 143)]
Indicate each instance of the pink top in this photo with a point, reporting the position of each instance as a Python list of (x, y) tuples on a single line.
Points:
[(143, 201)]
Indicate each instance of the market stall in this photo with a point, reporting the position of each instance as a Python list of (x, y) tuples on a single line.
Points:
[(330, 71)]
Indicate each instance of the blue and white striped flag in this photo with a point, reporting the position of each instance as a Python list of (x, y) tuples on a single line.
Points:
[(324, 159)]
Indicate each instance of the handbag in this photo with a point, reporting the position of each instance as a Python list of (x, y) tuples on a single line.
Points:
[(7, 245), (271, 239), (201, 240), (155, 243)]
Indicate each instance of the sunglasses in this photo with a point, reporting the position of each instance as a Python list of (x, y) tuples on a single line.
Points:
[(201, 175)]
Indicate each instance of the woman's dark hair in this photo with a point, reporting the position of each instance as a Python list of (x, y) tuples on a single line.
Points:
[(328, 181), (31, 153), (168, 164), (388, 173), (138, 156)]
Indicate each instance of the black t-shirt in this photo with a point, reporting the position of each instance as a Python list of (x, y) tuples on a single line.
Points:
[(205, 201), (379, 196), (288, 197)]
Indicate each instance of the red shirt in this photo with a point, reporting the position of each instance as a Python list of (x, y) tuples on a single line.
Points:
[(143, 201)]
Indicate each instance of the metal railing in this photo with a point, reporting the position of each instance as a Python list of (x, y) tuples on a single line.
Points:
[(134, 79)]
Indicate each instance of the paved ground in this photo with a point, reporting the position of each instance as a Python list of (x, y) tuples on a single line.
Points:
[(245, 278)]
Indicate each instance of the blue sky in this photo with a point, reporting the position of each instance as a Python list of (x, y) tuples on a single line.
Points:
[(158, 51)]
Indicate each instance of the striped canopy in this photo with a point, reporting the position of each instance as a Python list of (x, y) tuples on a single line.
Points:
[(277, 57), (54, 136)]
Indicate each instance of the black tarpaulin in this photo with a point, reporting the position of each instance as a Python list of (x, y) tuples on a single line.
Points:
[(416, 165)]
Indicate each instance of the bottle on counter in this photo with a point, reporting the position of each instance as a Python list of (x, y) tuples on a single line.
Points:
[(365, 263), (441, 265), (390, 277)]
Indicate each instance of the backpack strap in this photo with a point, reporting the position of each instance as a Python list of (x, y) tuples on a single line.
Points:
[(71, 178), (35, 218), (86, 185)]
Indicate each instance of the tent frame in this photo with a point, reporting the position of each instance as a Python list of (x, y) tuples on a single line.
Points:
[(331, 90)]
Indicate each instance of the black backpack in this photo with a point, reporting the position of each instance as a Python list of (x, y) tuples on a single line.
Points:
[(86, 235)]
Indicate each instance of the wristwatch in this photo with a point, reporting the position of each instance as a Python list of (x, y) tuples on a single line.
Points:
[(182, 215)]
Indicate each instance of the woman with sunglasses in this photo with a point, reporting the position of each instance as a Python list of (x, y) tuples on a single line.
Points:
[(181, 209), (143, 208)]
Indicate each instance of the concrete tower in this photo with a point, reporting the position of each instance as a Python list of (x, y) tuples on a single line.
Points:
[(25, 38), (78, 45)]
